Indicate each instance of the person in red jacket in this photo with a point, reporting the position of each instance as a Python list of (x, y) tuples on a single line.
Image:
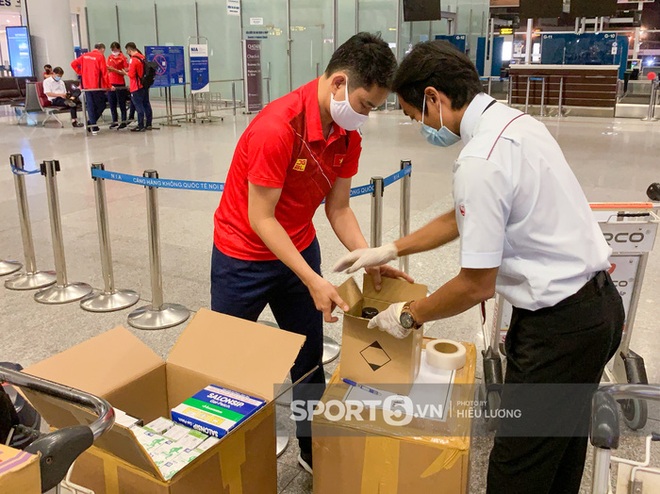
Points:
[(92, 68), (139, 94), (117, 66)]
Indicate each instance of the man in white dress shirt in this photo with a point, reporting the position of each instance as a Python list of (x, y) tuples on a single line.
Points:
[(55, 90), (526, 232)]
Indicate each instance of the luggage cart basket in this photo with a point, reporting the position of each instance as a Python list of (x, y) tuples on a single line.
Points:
[(604, 436), (630, 229), (58, 450)]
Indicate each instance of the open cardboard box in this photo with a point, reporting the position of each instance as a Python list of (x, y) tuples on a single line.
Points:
[(19, 472), (371, 356), (213, 349), (370, 456)]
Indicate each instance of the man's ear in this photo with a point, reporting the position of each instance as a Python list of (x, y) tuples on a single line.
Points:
[(337, 80)]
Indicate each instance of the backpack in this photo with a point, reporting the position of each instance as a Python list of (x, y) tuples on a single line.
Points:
[(149, 69)]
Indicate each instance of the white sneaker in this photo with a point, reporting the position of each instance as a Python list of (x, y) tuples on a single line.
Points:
[(306, 464)]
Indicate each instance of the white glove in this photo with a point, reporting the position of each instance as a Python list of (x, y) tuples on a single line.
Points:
[(366, 258), (390, 320)]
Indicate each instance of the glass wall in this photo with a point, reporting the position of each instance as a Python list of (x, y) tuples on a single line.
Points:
[(297, 35)]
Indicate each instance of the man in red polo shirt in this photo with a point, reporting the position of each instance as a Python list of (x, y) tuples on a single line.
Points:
[(92, 68), (301, 149)]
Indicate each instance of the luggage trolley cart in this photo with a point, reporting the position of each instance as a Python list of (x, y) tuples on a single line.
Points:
[(633, 477), (630, 229), (59, 449)]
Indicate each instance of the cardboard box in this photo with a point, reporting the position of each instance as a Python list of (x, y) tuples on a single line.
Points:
[(374, 457), (371, 356), (214, 348), (19, 472)]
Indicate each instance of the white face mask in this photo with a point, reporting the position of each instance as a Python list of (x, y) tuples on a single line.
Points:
[(343, 113), (116, 53)]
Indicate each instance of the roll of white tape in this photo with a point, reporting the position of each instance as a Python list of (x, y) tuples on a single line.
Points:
[(445, 354)]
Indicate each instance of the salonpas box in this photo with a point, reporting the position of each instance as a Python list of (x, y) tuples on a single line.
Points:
[(216, 410)]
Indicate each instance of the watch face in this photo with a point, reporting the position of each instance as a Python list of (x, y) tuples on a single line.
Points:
[(407, 320)]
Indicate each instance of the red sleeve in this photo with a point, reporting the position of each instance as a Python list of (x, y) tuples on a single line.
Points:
[(269, 153), (132, 68), (77, 66), (349, 166), (103, 67)]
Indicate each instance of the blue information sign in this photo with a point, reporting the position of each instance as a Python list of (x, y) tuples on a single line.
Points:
[(20, 52), (171, 65), (199, 68), (580, 49)]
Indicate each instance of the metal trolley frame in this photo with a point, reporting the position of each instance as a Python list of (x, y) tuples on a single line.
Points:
[(630, 229)]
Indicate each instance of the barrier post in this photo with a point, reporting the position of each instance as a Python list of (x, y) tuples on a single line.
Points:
[(9, 267), (650, 116), (31, 279), (109, 299), (543, 97), (510, 91), (233, 95), (156, 315), (560, 110), (404, 219), (527, 94), (62, 291), (377, 212)]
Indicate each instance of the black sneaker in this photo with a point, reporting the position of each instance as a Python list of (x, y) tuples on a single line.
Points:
[(76, 124), (149, 127), (114, 125), (138, 129), (122, 125), (95, 130), (305, 461)]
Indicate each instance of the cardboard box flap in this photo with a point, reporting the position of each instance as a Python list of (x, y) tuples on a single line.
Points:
[(237, 352), (350, 292), (118, 441), (393, 290), (101, 364)]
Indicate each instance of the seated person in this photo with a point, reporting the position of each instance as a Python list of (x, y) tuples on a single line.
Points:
[(48, 71), (55, 90)]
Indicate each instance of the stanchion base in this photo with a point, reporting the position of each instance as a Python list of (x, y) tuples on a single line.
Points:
[(168, 315), (9, 267), (282, 444), (330, 349), (647, 119), (63, 294), (109, 302), (31, 281)]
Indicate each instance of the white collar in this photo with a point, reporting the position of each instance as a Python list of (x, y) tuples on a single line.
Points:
[(473, 114)]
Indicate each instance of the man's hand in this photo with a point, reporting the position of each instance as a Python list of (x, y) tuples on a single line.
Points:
[(387, 271), (326, 298), (366, 258), (389, 321)]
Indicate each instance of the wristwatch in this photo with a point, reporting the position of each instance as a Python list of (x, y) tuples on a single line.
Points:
[(406, 318)]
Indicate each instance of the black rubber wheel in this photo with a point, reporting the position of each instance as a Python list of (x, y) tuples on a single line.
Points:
[(635, 413)]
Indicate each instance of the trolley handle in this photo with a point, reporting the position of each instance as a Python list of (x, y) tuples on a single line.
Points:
[(103, 409), (604, 432)]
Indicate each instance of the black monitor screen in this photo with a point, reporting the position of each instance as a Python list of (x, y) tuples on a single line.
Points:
[(421, 10), (540, 9), (593, 8)]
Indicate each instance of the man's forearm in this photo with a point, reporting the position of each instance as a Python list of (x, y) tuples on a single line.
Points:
[(346, 227), (273, 234), (438, 232)]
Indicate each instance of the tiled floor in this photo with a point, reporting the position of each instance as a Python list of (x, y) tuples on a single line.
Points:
[(615, 160)]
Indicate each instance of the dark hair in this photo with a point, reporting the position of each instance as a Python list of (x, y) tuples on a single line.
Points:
[(58, 70), (99, 46), (132, 46), (115, 45), (48, 67), (367, 59), (440, 65)]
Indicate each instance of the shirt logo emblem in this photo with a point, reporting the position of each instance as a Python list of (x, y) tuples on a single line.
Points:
[(339, 160), (461, 209), (300, 165)]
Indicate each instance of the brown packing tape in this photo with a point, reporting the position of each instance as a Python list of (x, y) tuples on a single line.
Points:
[(380, 473), (111, 475), (445, 461), (231, 468)]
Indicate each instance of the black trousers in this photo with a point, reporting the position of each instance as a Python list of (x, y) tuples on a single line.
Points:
[(118, 97), (96, 101), (62, 102), (568, 344), (243, 288)]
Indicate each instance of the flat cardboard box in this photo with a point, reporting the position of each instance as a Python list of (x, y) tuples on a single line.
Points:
[(372, 457), (371, 356), (19, 472), (213, 349)]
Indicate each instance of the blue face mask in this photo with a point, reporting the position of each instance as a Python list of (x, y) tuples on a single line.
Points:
[(443, 137), (57, 78)]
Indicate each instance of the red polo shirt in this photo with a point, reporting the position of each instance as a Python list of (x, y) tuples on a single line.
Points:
[(135, 72), (283, 148), (118, 62), (93, 69)]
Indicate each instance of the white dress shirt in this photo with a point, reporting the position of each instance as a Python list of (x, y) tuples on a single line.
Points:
[(519, 207), (53, 86)]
